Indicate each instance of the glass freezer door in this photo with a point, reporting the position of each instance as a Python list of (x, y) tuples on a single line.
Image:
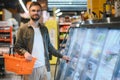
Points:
[(74, 52), (91, 52), (110, 56)]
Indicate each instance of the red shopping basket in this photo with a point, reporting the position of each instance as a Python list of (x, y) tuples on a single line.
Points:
[(18, 64)]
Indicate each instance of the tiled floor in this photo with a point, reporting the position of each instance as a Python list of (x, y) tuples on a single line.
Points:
[(12, 76)]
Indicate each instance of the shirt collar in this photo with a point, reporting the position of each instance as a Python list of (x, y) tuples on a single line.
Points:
[(29, 25)]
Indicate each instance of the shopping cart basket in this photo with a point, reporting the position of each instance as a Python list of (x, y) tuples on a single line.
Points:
[(18, 65)]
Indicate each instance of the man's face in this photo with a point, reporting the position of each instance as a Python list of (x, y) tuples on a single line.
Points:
[(35, 13)]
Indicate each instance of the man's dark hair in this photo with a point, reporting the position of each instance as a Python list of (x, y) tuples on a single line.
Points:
[(35, 4)]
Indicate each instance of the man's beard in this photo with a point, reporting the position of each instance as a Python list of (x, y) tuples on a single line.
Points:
[(35, 19)]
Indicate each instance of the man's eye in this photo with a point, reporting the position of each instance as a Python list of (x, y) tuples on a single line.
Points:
[(35, 10)]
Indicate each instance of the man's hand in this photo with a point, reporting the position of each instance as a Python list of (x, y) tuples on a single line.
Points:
[(66, 58), (28, 56)]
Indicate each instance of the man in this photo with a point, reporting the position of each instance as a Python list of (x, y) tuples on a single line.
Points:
[(33, 41)]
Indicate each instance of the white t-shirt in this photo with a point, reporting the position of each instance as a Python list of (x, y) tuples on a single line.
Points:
[(38, 48)]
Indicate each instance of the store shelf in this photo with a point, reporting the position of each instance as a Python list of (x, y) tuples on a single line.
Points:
[(5, 34), (5, 42), (65, 23), (63, 32)]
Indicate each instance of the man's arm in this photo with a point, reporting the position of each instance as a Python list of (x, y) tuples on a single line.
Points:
[(19, 44), (54, 51)]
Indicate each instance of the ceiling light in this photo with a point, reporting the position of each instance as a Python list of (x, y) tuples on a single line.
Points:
[(23, 6), (56, 11), (34, 0), (59, 14)]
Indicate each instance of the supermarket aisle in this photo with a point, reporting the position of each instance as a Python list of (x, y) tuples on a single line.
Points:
[(12, 76)]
